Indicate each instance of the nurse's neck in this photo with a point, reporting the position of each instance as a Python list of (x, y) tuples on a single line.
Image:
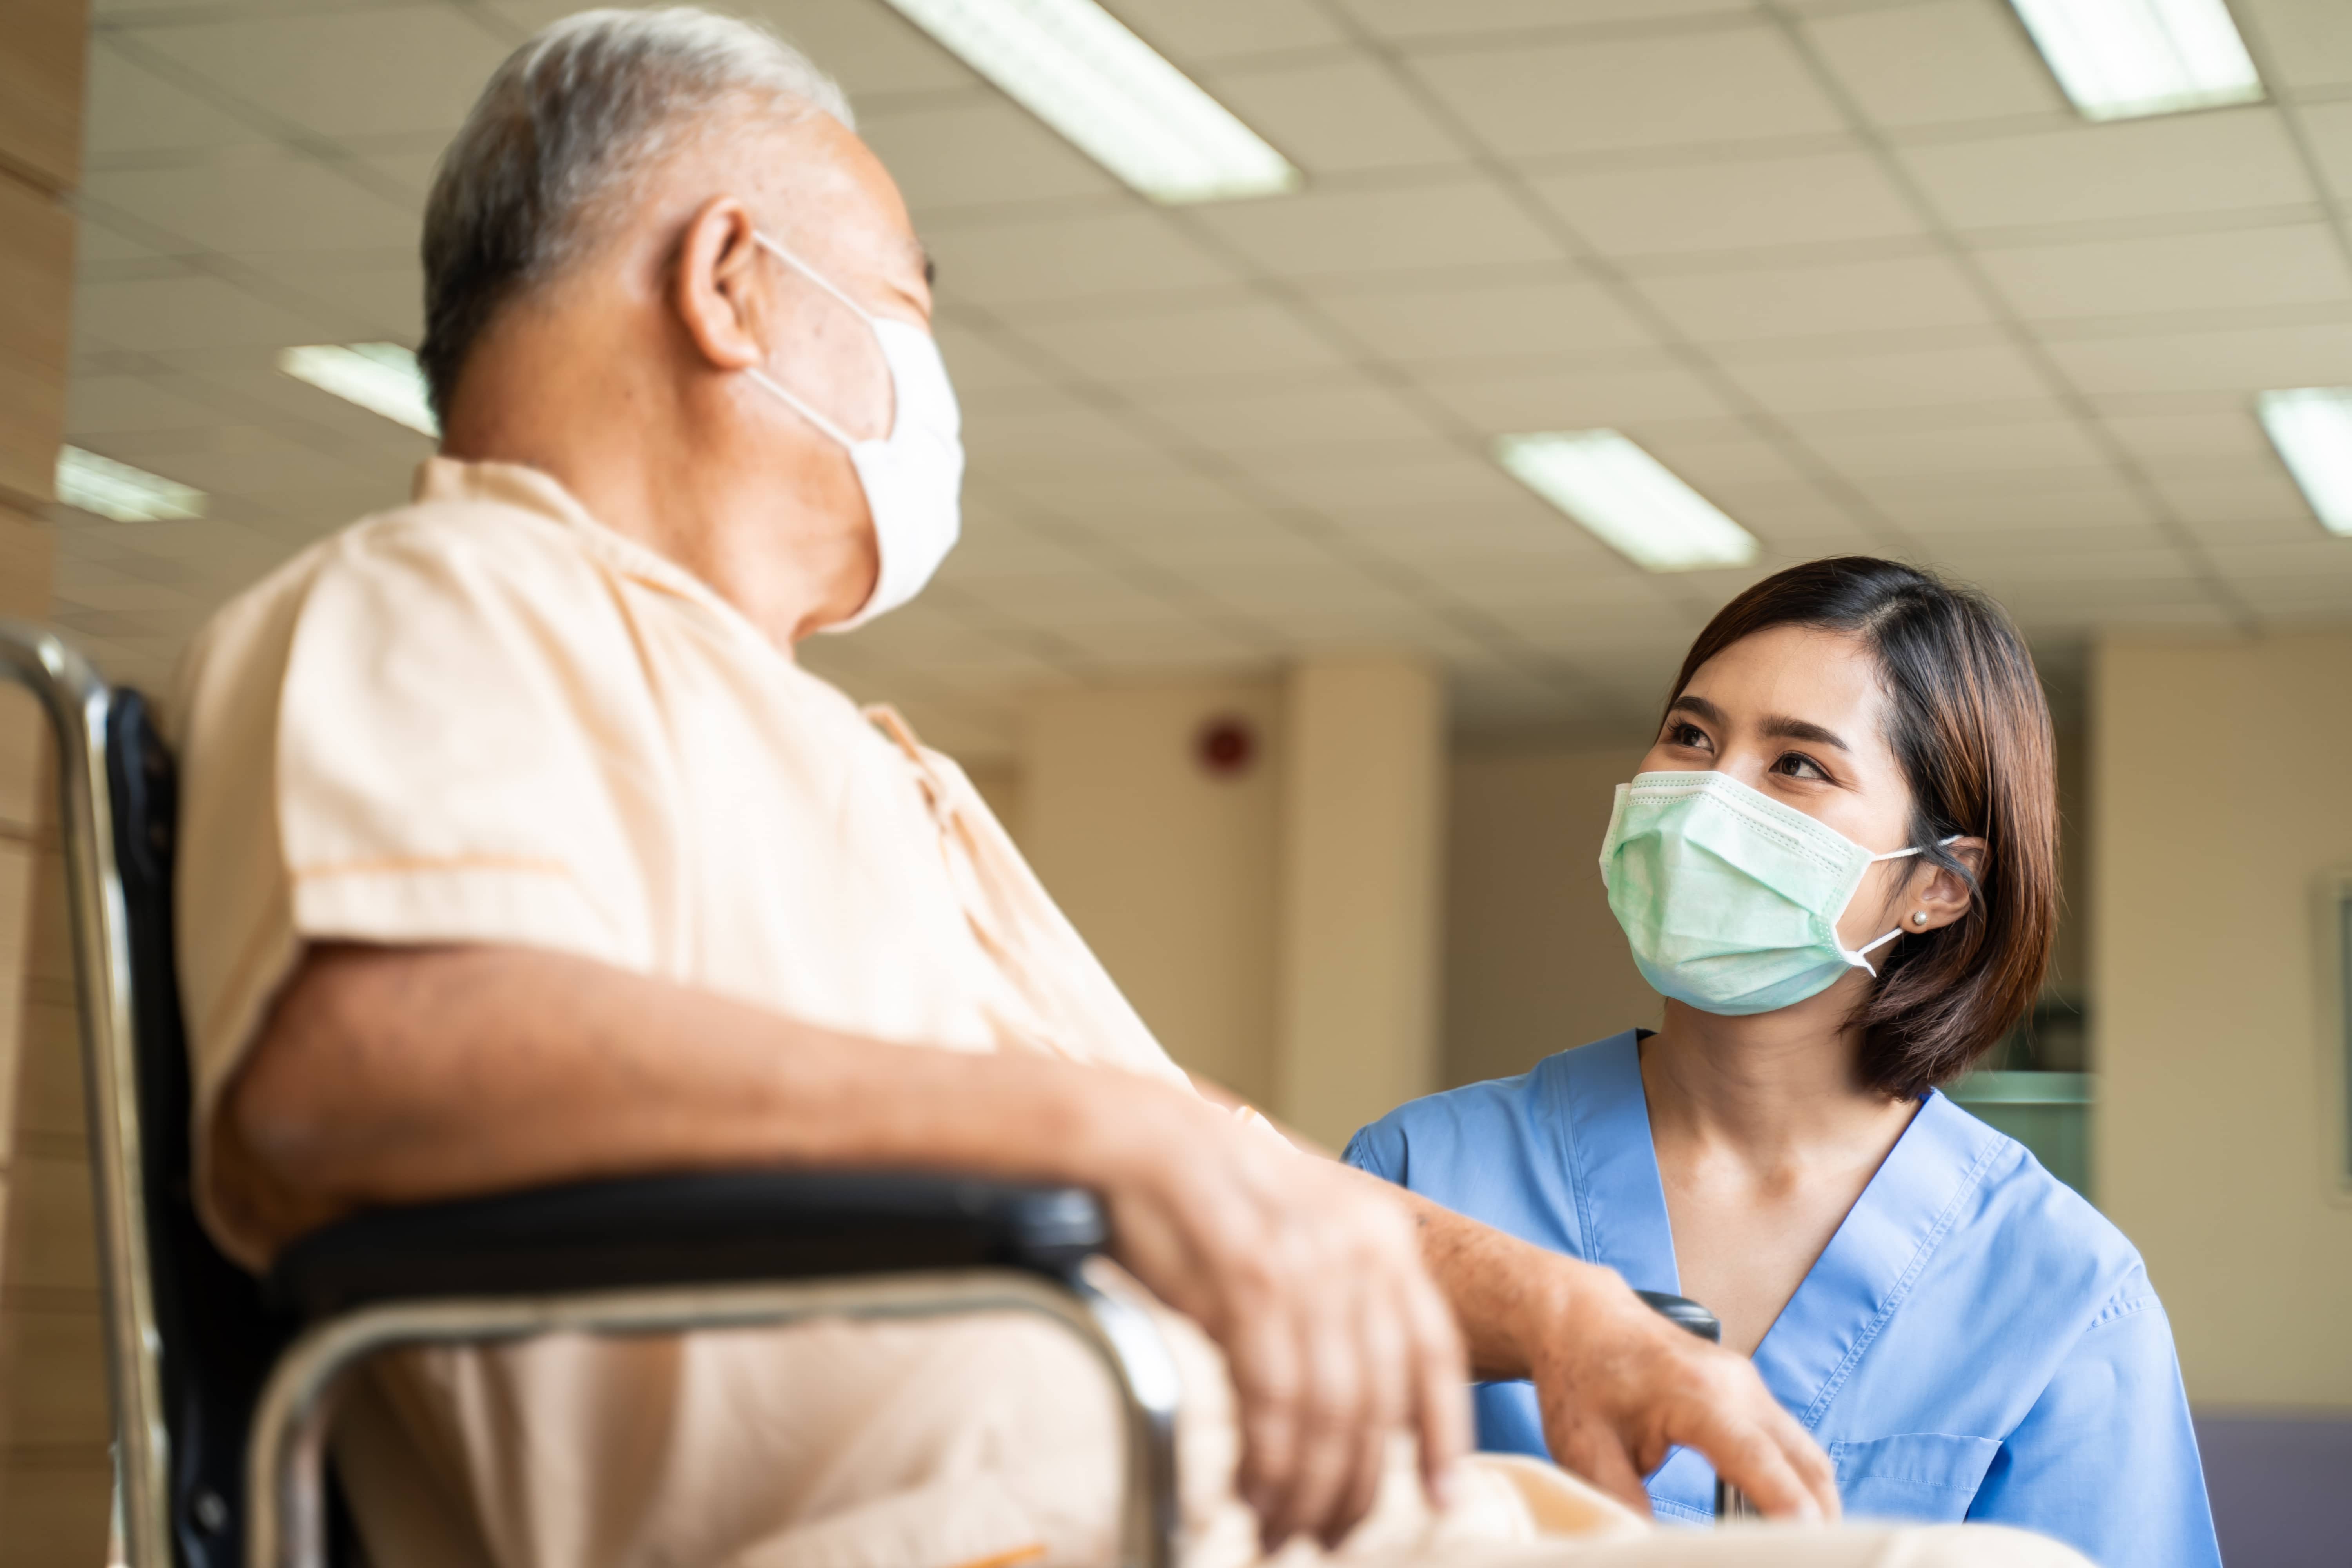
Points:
[(1779, 1080), (1766, 1134)]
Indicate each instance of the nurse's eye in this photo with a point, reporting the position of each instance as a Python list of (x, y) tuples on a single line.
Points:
[(1797, 765), (1682, 733)]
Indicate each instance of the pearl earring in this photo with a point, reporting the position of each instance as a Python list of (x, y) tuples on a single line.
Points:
[(1918, 917)]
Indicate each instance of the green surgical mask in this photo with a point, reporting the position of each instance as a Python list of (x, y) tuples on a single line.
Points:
[(1731, 900)]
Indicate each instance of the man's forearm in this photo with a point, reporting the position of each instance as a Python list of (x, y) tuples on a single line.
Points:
[(1505, 1293), (401, 1076)]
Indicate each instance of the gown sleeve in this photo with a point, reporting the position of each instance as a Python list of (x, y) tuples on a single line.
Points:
[(2106, 1459)]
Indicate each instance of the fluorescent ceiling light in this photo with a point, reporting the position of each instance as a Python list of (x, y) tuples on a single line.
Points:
[(1077, 68), (2121, 59), (381, 378), (119, 491), (1627, 497), (2312, 428)]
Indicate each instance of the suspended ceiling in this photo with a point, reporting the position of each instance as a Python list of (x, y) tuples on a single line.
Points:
[(1852, 267)]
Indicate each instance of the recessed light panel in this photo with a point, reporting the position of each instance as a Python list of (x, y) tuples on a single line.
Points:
[(1627, 497), (1077, 68), (119, 491), (381, 378), (2312, 428), (2121, 59)]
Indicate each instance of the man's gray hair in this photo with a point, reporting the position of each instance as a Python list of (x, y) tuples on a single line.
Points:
[(564, 126)]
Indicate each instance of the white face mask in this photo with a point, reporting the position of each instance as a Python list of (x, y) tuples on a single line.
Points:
[(913, 475)]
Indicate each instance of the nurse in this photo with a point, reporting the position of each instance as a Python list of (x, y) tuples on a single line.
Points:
[(1838, 865)]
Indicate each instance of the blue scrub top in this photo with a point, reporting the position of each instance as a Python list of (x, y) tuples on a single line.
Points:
[(1976, 1341)]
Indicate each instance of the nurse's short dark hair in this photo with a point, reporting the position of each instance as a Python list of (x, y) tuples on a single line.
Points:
[(1970, 729)]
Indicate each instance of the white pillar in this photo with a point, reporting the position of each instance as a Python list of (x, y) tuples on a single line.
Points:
[(1363, 828)]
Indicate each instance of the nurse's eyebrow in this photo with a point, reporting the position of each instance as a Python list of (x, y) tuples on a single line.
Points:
[(1780, 727)]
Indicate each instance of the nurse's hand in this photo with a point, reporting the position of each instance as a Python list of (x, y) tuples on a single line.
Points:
[(1619, 1385), (1311, 1280)]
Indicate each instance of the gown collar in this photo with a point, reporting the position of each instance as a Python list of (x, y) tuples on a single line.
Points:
[(1861, 1276)]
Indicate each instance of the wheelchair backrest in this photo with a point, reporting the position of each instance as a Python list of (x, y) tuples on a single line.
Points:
[(216, 1340)]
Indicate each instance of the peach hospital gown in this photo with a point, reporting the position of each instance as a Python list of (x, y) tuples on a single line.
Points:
[(486, 718)]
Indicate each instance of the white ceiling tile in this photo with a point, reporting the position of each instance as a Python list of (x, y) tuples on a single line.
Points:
[(1734, 204), (977, 364), (975, 153), (1133, 493), (359, 299), (257, 201), (2329, 126), (2295, 264), (182, 314), (1052, 261), (2224, 493), (1822, 301), (1945, 446), (2223, 161), (1617, 94), (1987, 373), (351, 73), (1553, 319), (1188, 30), (1935, 64), (1325, 234), (97, 242), (1337, 115), (1577, 400), (1432, 485), (1224, 341), (1026, 433), (131, 111), (1353, 414), (2162, 440), (98, 405), (1211, 545), (2304, 43), (2240, 360), (1420, 19), (863, 45)]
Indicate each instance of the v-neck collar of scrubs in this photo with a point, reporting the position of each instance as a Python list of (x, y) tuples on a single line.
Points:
[(1861, 1276)]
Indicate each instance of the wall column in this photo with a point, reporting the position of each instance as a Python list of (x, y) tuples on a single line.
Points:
[(54, 1468), (1362, 830)]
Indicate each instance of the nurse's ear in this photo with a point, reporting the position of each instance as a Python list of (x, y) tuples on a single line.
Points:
[(1935, 895), (718, 289)]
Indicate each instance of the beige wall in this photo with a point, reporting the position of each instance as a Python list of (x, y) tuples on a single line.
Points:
[(1363, 814), (1277, 928), (1534, 960), (1169, 871), (2222, 790), (53, 1428)]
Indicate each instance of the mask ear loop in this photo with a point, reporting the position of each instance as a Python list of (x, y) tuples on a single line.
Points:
[(1861, 954), (764, 379)]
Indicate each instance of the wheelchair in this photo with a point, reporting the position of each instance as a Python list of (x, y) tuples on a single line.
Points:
[(222, 1385)]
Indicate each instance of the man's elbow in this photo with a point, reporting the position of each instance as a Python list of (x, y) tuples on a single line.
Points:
[(294, 1107)]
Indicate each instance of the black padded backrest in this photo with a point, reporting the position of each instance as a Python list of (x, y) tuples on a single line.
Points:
[(218, 1340)]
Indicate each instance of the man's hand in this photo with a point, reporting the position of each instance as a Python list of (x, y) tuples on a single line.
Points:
[(1312, 1282), (1619, 1385)]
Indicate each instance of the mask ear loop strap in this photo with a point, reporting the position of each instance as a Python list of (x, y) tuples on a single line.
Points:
[(822, 281), (1861, 954)]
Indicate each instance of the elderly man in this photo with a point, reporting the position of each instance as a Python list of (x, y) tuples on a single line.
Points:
[(517, 849)]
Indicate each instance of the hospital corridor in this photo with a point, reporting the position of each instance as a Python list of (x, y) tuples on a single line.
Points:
[(955, 784)]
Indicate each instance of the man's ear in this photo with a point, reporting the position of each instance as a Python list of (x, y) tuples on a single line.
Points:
[(1942, 896), (716, 289)]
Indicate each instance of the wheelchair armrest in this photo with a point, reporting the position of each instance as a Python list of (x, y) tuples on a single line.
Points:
[(694, 1229)]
